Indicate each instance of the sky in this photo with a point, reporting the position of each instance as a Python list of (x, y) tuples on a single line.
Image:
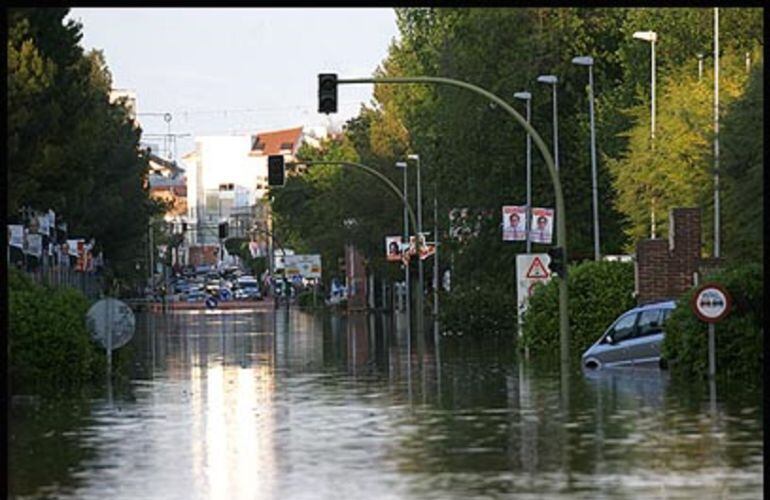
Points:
[(226, 71)]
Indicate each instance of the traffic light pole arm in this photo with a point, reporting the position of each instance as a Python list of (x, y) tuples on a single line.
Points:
[(561, 225), (378, 175)]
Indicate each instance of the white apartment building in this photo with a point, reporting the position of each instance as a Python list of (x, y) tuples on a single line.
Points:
[(227, 180)]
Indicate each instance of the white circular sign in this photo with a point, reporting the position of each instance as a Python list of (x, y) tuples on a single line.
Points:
[(711, 303), (111, 317)]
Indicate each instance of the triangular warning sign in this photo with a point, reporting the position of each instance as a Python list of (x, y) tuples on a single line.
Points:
[(537, 269)]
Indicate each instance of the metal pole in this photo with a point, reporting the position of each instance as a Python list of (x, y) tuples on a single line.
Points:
[(652, 76), (716, 132), (555, 130), (420, 271), (528, 222), (407, 294), (436, 267), (712, 352), (152, 257), (594, 187)]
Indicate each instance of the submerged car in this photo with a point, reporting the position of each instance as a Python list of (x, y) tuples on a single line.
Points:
[(634, 339)]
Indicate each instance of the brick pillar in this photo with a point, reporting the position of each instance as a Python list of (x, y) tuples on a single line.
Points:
[(652, 261), (685, 255)]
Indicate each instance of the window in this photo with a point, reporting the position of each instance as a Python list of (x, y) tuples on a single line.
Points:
[(649, 323), (226, 187), (623, 329)]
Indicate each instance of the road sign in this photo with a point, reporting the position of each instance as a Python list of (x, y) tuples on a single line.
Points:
[(531, 269), (711, 302), (111, 323), (211, 302)]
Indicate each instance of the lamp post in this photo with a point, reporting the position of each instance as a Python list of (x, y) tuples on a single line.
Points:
[(589, 61), (652, 37), (700, 56), (420, 271), (526, 96), (716, 132), (553, 80), (403, 165)]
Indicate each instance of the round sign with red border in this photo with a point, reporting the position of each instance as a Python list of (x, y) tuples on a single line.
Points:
[(711, 302)]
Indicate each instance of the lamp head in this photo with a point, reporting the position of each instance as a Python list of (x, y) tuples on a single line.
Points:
[(524, 96), (551, 79), (413, 157), (400, 164), (649, 36), (583, 60)]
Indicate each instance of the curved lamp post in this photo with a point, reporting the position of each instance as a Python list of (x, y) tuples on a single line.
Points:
[(561, 226)]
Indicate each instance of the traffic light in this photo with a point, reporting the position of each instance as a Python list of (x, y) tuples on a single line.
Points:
[(184, 227), (275, 170), (223, 230), (557, 264), (327, 93)]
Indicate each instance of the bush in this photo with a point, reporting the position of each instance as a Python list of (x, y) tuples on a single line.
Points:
[(598, 293), (305, 299), (48, 344), (478, 310), (738, 336)]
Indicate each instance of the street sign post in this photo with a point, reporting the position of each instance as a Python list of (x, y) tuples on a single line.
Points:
[(711, 303), (531, 269), (111, 323)]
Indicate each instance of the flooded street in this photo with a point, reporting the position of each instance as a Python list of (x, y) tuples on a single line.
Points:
[(245, 404)]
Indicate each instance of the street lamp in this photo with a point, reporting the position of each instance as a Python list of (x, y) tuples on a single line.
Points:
[(420, 272), (700, 56), (652, 37), (589, 61), (526, 96), (403, 165), (553, 80)]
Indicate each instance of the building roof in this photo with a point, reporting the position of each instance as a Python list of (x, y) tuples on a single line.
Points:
[(163, 166), (273, 143)]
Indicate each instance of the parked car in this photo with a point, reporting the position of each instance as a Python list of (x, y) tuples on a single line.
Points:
[(634, 339)]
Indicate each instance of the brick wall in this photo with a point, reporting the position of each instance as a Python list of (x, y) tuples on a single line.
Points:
[(666, 269)]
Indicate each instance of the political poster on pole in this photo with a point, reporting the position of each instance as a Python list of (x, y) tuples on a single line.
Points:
[(16, 235), (34, 245), (72, 247), (426, 249), (514, 219), (43, 224), (541, 228), (393, 246)]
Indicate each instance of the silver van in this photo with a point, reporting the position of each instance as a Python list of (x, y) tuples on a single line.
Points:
[(634, 338)]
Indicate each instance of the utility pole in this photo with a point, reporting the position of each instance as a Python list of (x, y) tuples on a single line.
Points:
[(716, 132)]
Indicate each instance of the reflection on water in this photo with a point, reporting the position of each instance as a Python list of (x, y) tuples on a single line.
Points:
[(290, 405)]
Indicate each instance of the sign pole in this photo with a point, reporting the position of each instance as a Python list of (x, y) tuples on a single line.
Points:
[(712, 353)]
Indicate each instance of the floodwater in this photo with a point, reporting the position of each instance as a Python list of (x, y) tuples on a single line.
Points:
[(284, 405)]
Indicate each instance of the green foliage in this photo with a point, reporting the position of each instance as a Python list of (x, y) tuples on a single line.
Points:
[(739, 337), (69, 149), (478, 310), (742, 167), (48, 345), (598, 293), (305, 299)]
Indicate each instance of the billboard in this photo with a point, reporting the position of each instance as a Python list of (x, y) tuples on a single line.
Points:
[(307, 266)]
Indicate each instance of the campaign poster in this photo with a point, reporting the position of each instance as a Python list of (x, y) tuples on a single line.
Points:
[(72, 246), (34, 245), (393, 248), (542, 225), (514, 223), (16, 235)]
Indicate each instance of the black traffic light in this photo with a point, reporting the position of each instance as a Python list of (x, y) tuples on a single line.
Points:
[(275, 170), (184, 227), (557, 264), (327, 93), (222, 230)]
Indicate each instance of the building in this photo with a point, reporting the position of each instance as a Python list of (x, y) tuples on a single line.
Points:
[(227, 182)]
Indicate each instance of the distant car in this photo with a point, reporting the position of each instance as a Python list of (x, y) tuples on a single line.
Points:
[(247, 287), (195, 296), (634, 339)]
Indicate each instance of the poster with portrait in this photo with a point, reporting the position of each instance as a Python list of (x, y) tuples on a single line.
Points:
[(393, 248), (514, 223), (16, 235), (542, 225)]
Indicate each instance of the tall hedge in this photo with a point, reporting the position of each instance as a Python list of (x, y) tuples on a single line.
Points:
[(598, 293), (739, 336), (478, 310), (49, 347)]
